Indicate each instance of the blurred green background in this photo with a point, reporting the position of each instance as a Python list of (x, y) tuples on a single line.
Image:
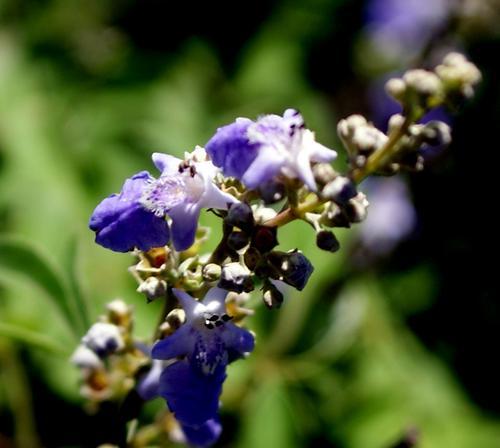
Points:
[(89, 89)]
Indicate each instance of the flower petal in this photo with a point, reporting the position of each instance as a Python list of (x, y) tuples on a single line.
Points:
[(215, 198), (238, 341), (204, 435), (166, 163), (184, 225), (230, 148), (149, 384), (134, 228), (116, 204), (265, 166), (215, 299), (180, 343), (304, 170), (191, 396), (121, 223)]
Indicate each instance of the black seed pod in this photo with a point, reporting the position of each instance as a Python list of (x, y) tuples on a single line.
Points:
[(241, 216), (264, 238), (291, 267), (326, 240), (237, 240), (272, 191)]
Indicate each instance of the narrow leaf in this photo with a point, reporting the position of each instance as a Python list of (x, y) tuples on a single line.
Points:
[(79, 294), (32, 338), (20, 258)]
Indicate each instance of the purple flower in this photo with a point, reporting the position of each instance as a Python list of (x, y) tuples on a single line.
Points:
[(121, 223), (148, 385), (391, 216), (202, 348), (257, 151), (136, 216), (401, 28)]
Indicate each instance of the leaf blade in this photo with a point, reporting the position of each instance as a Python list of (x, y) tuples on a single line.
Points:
[(23, 259)]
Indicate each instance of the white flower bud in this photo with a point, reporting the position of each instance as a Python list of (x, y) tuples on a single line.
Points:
[(423, 82), (153, 288), (395, 122), (211, 272), (340, 190), (358, 208), (396, 88), (457, 71), (368, 138), (235, 277), (84, 358), (347, 126), (263, 214), (103, 339)]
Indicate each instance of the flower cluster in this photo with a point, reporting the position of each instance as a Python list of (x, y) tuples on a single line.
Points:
[(248, 170)]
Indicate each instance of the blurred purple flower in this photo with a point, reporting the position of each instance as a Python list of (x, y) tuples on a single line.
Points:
[(258, 151), (202, 348), (136, 216), (401, 28), (391, 216)]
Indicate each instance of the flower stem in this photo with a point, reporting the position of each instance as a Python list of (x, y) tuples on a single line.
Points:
[(384, 153)]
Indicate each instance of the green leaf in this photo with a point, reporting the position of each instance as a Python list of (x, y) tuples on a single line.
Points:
[(78, 292), (32, 338), (21, 259)]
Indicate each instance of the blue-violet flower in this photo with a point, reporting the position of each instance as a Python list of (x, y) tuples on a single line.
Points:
[(136, 216), (202, 348), (258, 151)]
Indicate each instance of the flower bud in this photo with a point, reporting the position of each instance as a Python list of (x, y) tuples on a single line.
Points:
[(272, 296), (368, 138), (85, 358), (436, 133), (340, 190), (323, 173), (240, 215), (176, 318), (272, 191), (263, 214), (119, 313), (264, 238), (211, 272), (357, 208), (153, 288), (334, 216), (347, 126), (104, 339), (238, 240), (326, 240), (292, 267), (395, 122), (423, 82), (459, 74), (235, 277), (396, 88)]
